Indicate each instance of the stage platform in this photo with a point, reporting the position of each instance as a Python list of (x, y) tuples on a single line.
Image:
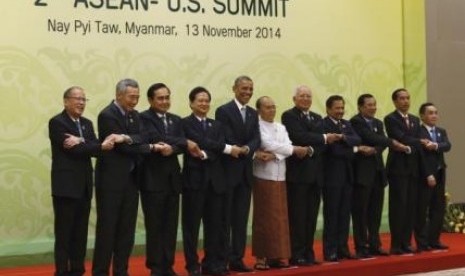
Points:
[(379, 266)]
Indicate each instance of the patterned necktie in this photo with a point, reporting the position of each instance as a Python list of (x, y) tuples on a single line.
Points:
[(406, 121), (165, 123), (307, 116), (78, 125)]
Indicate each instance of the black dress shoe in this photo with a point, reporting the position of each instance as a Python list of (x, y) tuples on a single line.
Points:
[(407, 249), (423, 248), (312, 261), (378, 252), (345, 255), (362, 254), (239, 267), (331, 258), (439, 246), (396, 251), (299, 262)]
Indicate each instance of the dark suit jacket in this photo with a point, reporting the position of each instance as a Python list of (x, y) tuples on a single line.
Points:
[(162, 173), (434, 160), (400, 163), (368, 167), (199, 173), (114, 167), (238, 133), (304, 132), (339, 155), (72, 173)]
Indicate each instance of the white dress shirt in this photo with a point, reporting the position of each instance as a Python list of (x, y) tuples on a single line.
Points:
[(275, 139)]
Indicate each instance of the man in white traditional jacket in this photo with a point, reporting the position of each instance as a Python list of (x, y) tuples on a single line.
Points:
[(271, 248)]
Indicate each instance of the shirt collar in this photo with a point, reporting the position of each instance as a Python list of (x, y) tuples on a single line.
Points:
[(429, 128), (119, 108), (239, 105)]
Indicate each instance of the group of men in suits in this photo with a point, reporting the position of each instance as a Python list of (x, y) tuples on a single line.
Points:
[(137, 155), (346, 169)]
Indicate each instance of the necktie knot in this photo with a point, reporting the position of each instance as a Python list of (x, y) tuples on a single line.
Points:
[(307, 116), (433, 134)]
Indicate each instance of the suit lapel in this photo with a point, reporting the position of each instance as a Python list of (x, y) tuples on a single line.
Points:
[(119, 116), (71, 124), (157, 121), (236, 112)]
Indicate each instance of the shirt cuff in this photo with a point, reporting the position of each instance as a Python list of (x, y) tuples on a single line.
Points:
[(204, 155), (227, 149)]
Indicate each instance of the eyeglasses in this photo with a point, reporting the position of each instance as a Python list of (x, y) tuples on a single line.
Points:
[(79, 99)]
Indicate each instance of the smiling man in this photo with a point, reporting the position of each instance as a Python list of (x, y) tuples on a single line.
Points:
[(240, 126), (161, 179), (370, 178), (203, 187), (338, 181), (117, 193), (431, 193), (403, 170), (73, 143)]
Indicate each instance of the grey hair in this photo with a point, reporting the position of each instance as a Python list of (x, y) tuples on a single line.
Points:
[(122, 85), (301, 87), (68, 91)]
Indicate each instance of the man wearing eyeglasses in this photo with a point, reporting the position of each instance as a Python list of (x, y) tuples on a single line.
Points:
[(73, 144)]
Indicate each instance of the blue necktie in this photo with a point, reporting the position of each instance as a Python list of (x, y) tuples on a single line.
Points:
[(433, 135)]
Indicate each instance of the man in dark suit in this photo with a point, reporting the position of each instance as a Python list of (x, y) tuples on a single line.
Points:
[(303, 175), (161, 180), (117, 190), (403, 168), (370, 178), (240, 126), (338, 181), (204, 187), (73, 143), (431, 192)]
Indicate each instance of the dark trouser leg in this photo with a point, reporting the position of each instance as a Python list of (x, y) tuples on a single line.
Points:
[(125, 231), (239, 218), (192, 209)]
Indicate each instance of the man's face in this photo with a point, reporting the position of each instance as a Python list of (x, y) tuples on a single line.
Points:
[(368, 109), (161, 101), (129, 99), (336, 111), (243, 91), (402, 102), (267, 110), (75, 103), (430, 117), (303, 99), (201, 104)]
